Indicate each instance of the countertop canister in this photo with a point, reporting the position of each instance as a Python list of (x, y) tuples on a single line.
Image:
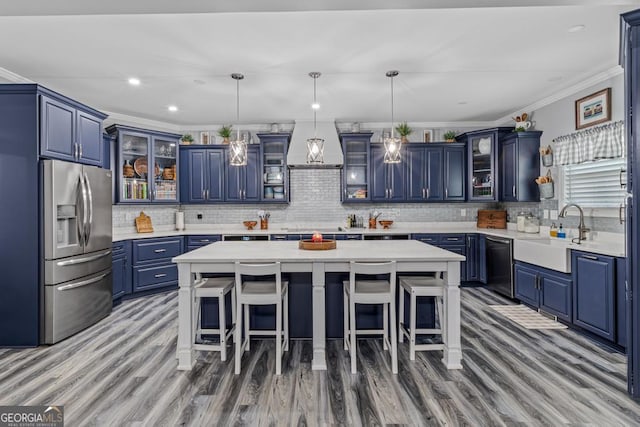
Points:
[(179, 220)]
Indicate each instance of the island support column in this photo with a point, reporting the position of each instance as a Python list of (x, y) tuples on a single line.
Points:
[(185, 317), (319, 362), (452, 356)]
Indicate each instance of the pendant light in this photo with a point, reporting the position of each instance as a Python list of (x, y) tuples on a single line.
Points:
[(392, 144), (315, 145), (238, 147)]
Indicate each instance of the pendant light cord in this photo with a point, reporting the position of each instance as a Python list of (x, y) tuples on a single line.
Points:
[(238, 109), (315, 111), (392, 107)]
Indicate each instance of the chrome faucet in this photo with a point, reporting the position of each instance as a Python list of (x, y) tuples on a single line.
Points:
[(582, 230)]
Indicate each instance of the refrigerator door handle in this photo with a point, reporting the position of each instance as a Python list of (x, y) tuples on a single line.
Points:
[(82, 260), (80, 206), (82, 283), (89, 219)]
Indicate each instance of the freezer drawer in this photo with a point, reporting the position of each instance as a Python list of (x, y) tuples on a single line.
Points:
[(73, 306), (65, 269)]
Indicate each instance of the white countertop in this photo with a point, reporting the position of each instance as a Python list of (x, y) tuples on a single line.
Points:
[(613, 245)]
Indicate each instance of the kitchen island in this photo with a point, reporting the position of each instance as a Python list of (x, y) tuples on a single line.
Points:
[(410, 256)]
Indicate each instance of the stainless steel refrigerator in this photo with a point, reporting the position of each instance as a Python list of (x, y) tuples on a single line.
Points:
[(77, 281)]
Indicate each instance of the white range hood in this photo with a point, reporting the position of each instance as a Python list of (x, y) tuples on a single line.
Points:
[(303, 130)]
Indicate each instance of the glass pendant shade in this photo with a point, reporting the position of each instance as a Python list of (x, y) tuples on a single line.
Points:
[(238, 147), (315, 150), (315, 145), (392, 144)]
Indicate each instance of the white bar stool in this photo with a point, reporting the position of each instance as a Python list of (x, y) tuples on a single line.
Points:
[(217, 287), (370, 292), (250, 293), (421, 287)]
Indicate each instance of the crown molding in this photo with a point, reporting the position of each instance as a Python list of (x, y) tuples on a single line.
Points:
[(564, 93), (427, 125), (13, 77), (124, 119)]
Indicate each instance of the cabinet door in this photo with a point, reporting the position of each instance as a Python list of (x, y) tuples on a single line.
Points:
[(89, 136), (593, 298), (165, 156), (482, 173), (215, 175), (508, 172), (356, 171), (416, 174), (379, 183), (434, 174), (252, 175), (133, 167), (233, 183), (193, 176), (482, 258), (473, 272), (621, 301), (526, 284), (118, 267), (396, 179), (555, 295), (454, 176), (57, 130), (461, 250)]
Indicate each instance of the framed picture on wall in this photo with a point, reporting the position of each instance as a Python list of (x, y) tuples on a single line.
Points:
[(593, 109), (204, 138), (428, 135)]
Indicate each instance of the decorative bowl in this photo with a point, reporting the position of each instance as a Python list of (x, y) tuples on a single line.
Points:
[(249, 224), (385, 223)]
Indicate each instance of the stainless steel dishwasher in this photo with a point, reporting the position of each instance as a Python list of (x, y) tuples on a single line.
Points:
[(500, 265)]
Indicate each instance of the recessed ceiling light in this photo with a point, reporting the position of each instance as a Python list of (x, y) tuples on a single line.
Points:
[(199, 82), (133, 81), (315, 106), (462, 103), (576, 28), (172, 108)]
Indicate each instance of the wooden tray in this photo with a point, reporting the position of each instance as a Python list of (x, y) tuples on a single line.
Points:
[(317, 246), (492, 219), (143, 223)]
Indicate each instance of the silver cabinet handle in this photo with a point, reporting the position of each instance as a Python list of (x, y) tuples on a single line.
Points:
[(620, 212), (537, 282), (591, 257), (428, 192), (446, 193), (452, 239), (493, 239), (89, 222), (82, 283), (75, 150), (424, 193), (157, 276), (82, 260), (513, 191), (159, 251), (79, 151), (391, 193), (204, 240)]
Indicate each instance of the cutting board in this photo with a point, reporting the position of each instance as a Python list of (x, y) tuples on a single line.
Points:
[(492, 219), (143, 223)]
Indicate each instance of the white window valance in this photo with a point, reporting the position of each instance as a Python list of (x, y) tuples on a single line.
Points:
[(601, 142)]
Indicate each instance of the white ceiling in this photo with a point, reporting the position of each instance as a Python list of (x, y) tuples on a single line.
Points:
[(457, 64)]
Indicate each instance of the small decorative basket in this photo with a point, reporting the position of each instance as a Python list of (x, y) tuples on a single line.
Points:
[(547, 160), (322, 245), (545, 185)]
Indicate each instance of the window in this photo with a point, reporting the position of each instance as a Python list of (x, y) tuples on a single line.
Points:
[(594, 184)]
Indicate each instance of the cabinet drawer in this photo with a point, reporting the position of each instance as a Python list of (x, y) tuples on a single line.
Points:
[(118, 250), (154, 276), (202, 240), (441, 238), (427, 238), (452, 239), (156, 249)]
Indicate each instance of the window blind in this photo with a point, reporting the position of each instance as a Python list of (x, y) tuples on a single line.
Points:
[(594, 184)]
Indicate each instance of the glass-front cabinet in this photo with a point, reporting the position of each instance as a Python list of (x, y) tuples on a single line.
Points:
[(146, 166), (482, 158), (275, 176), (355, 173)]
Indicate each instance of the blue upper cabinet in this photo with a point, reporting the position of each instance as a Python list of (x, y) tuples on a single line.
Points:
[(520, 166), (147, 165), (482, 161), (387, 179), (243, 183), (201, 174), (454, 176), (274, 176), (355, 172), (70, 131), (426, 165)]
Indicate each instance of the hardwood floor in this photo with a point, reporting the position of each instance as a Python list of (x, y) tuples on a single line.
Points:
[(122, 371)]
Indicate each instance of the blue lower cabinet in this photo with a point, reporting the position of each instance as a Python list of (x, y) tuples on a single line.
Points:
[(545, 289), (152, 266), (594, 293), (472, 264), (197, 241), (456, 243), (154, 276), (621, 301), (482, 258), (121, 269)]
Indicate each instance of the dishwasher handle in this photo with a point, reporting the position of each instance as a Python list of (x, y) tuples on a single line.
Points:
[(493, 239)]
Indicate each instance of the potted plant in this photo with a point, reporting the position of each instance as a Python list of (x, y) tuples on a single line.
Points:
[(404, 130), (225, 133), (186, 139), (450, 136)]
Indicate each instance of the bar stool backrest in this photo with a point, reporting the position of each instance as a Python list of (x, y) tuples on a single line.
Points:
[(372, 268), (270, 269)]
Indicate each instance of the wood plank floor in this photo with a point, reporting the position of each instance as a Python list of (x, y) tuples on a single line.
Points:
[(122, 371)]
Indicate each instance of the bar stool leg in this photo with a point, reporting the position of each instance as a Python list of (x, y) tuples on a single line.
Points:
[(234, 314), (412, 326), (345, 318), (385, 326), (401, 315), (352, 333), (394, 340), (279, 338), (222, 319), (238, 338), (286, 321), (246, 327)]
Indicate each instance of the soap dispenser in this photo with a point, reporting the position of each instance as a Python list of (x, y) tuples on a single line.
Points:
[(561, 232), (553, 231)]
